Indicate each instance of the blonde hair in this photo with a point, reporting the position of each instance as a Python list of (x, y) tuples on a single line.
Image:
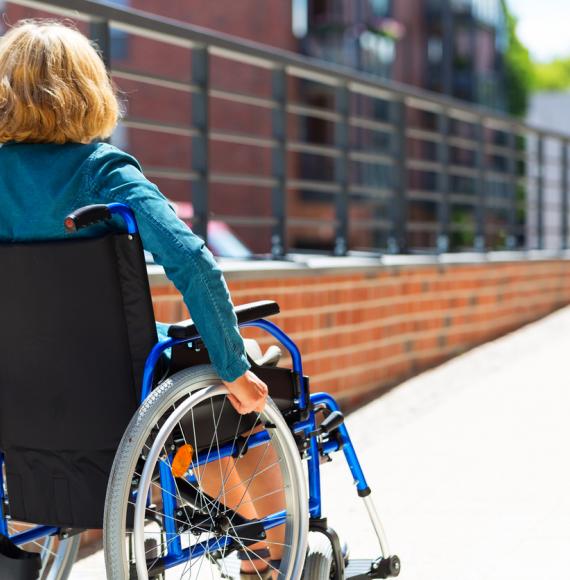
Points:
[(53, 86)]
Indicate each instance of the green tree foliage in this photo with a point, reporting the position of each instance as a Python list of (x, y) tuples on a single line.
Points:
[(519, 70), (552, 76)]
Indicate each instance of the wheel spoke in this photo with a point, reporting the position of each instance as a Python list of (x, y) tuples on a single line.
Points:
[(236, 509), (245, 447), (260, 472)]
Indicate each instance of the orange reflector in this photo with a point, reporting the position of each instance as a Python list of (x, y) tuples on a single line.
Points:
[(182, 460)]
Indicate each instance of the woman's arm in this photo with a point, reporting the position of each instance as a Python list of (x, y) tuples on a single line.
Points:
[(116, 176)]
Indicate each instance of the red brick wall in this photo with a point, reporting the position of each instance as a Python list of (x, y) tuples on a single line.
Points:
[(363, 331)]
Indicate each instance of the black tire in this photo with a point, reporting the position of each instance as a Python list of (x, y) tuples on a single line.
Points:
[(319, 564)]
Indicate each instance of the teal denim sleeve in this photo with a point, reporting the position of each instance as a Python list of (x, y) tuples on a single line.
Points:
[(117, 176)]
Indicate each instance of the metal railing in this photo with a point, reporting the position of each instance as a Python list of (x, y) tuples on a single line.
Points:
[(294, 153)]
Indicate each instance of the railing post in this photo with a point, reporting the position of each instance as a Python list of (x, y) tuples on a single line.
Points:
[(342, 168), (480, 237), (443, 183), (398, 237), (564, 196), (540, 191), (279, 163), (513, 187), (200, 123), (100, 33), (448, 34)]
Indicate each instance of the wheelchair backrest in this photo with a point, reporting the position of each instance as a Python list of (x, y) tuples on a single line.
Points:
[(76, 326)]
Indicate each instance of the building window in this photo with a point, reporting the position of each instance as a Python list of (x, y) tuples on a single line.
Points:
[(488, 11), (119, 38), (377, 47), (300, 18), (2, 20), (435, 50), (320, 8), (380, 7)]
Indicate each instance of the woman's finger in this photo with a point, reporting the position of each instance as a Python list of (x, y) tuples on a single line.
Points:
[(236, 404), (260, 406)]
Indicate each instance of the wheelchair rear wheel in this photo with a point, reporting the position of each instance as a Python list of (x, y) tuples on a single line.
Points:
[(193, 483), (57, 563)]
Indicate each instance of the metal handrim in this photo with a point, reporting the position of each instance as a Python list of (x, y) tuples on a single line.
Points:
[(297, 520)]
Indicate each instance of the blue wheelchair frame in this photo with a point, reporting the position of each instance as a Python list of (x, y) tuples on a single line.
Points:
[(307, 403), (176, 554)]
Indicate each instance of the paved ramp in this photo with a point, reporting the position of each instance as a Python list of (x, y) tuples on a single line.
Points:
[(469, 465)]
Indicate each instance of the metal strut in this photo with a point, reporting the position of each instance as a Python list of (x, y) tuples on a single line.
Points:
[(388, 565)]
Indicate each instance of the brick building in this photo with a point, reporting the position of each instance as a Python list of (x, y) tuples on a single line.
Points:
[(455, 47), (451, 46)]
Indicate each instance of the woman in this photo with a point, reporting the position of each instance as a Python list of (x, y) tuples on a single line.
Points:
[(57, 104)]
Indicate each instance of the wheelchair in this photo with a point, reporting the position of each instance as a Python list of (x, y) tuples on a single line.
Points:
[(102, 425)]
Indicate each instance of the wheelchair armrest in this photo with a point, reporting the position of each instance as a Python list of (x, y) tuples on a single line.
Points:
[(244, 312)]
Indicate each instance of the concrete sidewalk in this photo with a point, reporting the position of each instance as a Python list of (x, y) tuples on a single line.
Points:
[(468, 464)]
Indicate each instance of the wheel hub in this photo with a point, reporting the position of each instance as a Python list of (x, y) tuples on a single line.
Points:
[(223, 525)]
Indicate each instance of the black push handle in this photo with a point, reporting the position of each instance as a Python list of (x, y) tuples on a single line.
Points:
[(87, 216)]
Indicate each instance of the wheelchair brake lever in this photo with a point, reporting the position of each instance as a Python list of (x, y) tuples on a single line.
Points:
[(329, 424)]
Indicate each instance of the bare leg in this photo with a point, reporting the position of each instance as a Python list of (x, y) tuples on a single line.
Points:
[(265, 491), (222, 479), (253, 486)]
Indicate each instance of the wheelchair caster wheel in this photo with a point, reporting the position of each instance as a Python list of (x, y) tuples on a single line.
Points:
[(386, 567), (151, 548), (395, 565), (345, 553)]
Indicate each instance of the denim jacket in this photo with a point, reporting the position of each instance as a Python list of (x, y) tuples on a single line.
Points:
[(41, 183)]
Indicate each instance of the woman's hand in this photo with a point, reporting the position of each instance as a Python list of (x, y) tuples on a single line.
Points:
[(248, 393)]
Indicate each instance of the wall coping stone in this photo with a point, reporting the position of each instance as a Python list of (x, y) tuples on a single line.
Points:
[(315, 264)]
